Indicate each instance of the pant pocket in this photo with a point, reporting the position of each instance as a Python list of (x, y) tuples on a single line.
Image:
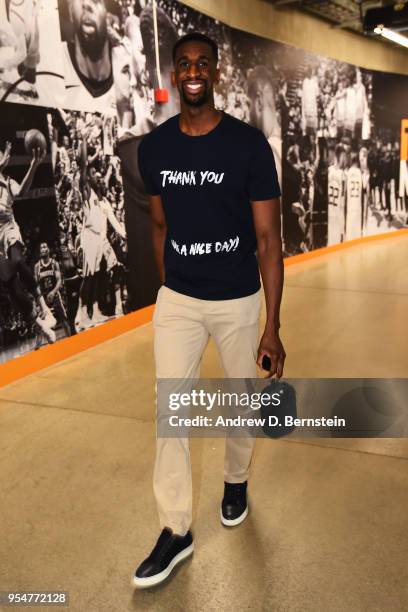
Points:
[(250, 308)]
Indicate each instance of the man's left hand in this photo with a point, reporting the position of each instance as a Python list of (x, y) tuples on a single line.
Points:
[(271, 345)]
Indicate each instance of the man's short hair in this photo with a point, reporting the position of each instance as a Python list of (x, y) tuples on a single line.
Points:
[(196, 37)]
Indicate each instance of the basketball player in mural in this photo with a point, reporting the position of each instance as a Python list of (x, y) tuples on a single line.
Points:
[(354, 199), (14, 270), (336, 206), (114, 268), (263, 114), (131, 78), (310, 94), (20, 36), (48, 276), (361, 108), (72, 278), (94, 243), (340, 106), (87, 58), (365, 185)]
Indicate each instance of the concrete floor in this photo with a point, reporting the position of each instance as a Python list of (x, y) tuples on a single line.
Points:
[(328, 527)]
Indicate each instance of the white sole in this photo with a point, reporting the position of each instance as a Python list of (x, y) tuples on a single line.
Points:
[(143, 583), (234, 522)]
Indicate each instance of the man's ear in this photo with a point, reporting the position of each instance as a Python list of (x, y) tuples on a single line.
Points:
[(173, 78), (217, 75)]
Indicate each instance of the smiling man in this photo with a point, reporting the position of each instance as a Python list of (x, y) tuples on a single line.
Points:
[(214, 201)]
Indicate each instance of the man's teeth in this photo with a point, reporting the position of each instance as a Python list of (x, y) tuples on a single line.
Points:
[(194, 86)]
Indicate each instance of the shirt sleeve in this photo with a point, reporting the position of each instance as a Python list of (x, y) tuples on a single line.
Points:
[(144, 161), (263, 181)]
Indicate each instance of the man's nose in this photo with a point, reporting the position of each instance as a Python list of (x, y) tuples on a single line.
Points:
[(193, 70)]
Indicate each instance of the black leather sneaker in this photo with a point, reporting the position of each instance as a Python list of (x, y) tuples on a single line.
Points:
[(170, 549), (234, 507)]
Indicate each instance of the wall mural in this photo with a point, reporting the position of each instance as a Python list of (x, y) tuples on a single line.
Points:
[(76, 91)]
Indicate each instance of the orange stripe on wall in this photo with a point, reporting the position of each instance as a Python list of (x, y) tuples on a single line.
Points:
[(62, 349), (38, 360), (340, 247)]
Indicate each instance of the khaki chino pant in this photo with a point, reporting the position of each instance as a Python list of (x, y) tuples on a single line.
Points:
[(182, 327)]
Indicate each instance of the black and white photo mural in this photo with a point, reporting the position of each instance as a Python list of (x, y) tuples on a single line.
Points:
[(77, 80), (31, 69), (32, 309)]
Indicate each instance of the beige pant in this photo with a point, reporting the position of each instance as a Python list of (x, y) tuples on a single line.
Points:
[(182, 326)]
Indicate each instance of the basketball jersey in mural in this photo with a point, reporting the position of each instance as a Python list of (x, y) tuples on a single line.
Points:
[(93, 232), (46, 274), (6, 201), (93, 215), (335, 217), (354, 203), (78, 97)]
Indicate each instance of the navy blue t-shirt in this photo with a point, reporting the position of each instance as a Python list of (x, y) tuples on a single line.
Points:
[(206, 184)]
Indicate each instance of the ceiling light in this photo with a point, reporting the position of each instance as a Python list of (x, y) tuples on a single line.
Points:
[(391, 35)]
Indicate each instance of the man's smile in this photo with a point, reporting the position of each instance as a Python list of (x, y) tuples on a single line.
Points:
[(193, 87)]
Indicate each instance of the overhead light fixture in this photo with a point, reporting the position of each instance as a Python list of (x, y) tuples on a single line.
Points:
[(391, 35)]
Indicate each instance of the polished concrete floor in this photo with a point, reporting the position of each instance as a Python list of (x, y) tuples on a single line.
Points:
[(328, 526)]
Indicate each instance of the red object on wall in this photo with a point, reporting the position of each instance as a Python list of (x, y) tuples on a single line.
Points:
[(161, 95)]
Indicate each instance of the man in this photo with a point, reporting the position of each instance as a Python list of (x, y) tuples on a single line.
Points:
[(231, 191), (365, 186), (94, 243), (336, 196), (124, 88), (374, 156), (361, 105), (354, 199), (293, 235), (131, 82), (114, 269), (19, 27), (310, 94), (14, 270), (72, 279), (64, 154), (351, 104), (262, 111), (87, 58), (340, 106), (386, 171), (48, 276), (263, 115)]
